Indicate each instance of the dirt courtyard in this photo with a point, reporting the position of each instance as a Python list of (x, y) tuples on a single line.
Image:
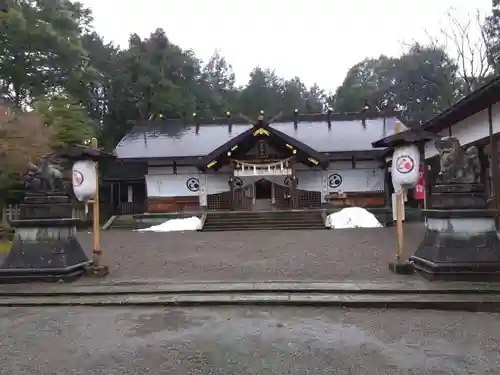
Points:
[(346, 254)]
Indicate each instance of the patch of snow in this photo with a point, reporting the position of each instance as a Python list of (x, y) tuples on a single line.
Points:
[(352, 217), (175, 225)]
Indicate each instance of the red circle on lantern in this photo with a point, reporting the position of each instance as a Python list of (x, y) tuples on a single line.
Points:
[(405, 164), (77, 178)]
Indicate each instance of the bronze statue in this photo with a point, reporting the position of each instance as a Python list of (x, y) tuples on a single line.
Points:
[(457, 165), (472, 165), (44, 178)]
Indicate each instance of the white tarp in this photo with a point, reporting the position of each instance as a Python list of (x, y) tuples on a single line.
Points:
[(175, 225), (352, 217)]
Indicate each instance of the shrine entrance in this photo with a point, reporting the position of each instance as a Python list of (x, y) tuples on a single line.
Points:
[(263, 195), (262, 151), (263, 189)]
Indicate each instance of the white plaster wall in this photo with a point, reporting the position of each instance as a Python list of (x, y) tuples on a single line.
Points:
[(353, 180), (363, 164), (161, 182), (470, 129), (356, 180), (309, 180), (169, 185), (217, 182)]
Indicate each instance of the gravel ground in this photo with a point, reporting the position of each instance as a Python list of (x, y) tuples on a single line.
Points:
[(348, 254), (344, 254), (247, 341)]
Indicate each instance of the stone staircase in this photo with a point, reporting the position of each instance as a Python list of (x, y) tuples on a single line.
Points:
[(120, 222), (263, 220)]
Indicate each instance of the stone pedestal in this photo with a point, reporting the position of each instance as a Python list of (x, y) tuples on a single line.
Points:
[(45, 247), (461, 241)]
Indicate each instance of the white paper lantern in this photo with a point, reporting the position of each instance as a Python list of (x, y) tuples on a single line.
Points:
[(405, 167), (84, 180)]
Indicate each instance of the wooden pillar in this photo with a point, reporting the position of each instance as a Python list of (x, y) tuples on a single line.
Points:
[(231, 187), (483, 179), (119, 198), (421, 147), (273, 195), (293, 190), (387, 184), (112, 197), (427, 183), (494, 161)]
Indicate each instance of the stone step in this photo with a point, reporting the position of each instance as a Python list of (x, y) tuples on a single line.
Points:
[(263, 222), (280, 220), (269, 219), (264, 217), (434, 301), (229, 229), (265, 213), (123, 222), (262, 226)]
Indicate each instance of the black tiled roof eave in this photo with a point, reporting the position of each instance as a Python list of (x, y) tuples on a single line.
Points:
[(321, 158), (203, 162), (472, 103), (404, 137), (80, 152), (174, 140), (291, 117)]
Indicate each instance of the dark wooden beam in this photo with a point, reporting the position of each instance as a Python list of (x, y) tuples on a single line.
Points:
[(494, 159)]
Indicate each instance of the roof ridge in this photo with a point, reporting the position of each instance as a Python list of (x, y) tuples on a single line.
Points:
[(310, 117)]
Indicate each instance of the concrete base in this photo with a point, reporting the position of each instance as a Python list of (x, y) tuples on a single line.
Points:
[(96, 271), (405, 268), (44, 250), (459, 245)]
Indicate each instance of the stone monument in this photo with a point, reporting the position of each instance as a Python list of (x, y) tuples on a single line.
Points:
[(45, 247), (461, 241)]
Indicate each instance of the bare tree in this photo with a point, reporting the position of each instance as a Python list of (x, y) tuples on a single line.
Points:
[(466, 42)]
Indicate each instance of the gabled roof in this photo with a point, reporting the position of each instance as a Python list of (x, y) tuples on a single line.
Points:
[(244, 141), (174, 139), (473, 103), (404, 138)]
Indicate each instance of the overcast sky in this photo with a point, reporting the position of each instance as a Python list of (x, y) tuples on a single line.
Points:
[(317, 40)]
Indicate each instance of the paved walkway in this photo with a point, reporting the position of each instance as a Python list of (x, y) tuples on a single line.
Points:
[(250, 341), (349, 254)]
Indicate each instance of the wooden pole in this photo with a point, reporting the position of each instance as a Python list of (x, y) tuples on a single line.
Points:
[(494, 160), (293, 187), (399, 224), (96, 243)]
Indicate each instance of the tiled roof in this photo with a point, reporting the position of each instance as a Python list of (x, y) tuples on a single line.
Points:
[(173, 139)]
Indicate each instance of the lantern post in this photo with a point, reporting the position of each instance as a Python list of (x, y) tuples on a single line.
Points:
[(405, 172), (86, 189), (45, 245), (96, 241)]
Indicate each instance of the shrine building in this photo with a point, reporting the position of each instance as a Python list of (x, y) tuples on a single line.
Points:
[(293, 162)]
